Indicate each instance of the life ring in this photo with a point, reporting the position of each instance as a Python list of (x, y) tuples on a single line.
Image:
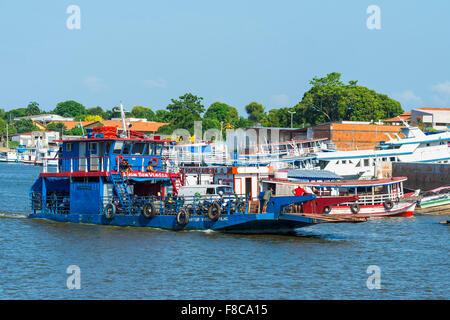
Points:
[(149, 210), (154, 162), (109, 211), (214, 212), (182, 217), (119, 158), (354, 208), (388, 204), (327, 210)]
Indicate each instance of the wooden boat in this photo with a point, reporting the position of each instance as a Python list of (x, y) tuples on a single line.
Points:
[(376, 198), (436, 201)]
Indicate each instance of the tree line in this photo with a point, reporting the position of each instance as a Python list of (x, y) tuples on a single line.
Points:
[(328, 99)]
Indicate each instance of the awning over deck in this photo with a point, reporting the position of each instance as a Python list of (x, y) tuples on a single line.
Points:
[(303, 174)]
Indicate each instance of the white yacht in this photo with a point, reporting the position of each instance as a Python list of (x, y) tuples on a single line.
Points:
[(415, 146), (9, 156)]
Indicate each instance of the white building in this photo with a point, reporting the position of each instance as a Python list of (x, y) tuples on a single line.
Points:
[(45, 118), (437, 118), (31, 140)]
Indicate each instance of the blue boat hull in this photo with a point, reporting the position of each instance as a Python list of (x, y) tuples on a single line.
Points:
[(235, 223)]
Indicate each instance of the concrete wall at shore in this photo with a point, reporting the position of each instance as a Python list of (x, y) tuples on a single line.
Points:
[(424, 176)]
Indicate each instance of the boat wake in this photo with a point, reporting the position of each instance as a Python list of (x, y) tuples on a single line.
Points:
[(12, 215)]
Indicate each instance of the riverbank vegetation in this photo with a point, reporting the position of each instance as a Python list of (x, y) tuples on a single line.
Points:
[(328, 99)]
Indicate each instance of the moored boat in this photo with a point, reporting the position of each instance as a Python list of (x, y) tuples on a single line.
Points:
[(434, 201), (122, 181), (376, 198)]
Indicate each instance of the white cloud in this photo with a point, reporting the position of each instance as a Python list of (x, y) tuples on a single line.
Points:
[(408, 98), (94, 84), (280, 100), (155, 83), (443, 93)]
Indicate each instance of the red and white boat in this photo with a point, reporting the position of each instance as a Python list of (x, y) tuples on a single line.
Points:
[(376, 198)]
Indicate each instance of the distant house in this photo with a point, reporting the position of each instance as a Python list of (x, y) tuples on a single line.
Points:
[(354, 135), (45, 119), (437, 118), (32, 139), (72, 124), (398, 120)]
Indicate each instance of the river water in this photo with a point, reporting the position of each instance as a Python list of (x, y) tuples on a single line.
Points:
[(328, 261)]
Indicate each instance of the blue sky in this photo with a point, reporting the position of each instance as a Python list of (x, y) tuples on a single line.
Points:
[(148, 52)]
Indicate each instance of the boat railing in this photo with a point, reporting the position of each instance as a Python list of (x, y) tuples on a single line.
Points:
[(52, 204), (102, 164), (171, 205), (377, 199)]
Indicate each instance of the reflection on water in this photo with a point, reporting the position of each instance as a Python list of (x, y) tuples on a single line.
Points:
[(327, 261)]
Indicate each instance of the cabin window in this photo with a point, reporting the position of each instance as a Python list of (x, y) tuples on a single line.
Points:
[(158, 149), (92, 147), (107, 147), (358, 165), (69, 147), (384, 159), (138, 148), (118, 147), (393, 159), (126, 147), (149, 150), (344, 161), (366, 162), (210, 191)]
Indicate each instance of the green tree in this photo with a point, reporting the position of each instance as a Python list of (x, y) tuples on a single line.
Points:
[(222, 113), (329, 99), (76, 131), (278, 118), (143, 112), (97, 111), (25, 125), (255, 112), (70, 108), (11, 128), (183, 113), (33, 109), (162, 115), (243, 123), (56, 126)]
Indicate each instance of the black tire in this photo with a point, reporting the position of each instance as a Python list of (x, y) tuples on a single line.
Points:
[(182, 217), (149, 210), (109, 211), (241, 207), (355, 208), (388, 204), (327, 210), (214, 212)]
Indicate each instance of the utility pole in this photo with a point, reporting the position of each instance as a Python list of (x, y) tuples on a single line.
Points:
[(292, 114)]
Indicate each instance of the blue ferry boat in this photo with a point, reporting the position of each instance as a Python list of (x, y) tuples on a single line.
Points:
[(123, 181)]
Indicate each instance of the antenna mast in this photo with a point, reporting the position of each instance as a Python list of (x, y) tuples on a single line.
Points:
[(122, 115)]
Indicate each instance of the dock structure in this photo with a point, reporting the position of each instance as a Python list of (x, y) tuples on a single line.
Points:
[(422, 175)]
